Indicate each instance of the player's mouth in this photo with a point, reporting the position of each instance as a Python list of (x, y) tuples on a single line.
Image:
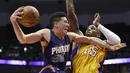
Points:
[(66, 29), (89, 32)]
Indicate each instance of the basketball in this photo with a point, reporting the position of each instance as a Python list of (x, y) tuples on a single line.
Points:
[(30, 16)]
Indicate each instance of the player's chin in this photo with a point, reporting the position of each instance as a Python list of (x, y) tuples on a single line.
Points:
[(65, 31), (89, 34)]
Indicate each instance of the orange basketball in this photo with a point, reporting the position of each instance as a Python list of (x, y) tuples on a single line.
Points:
[(30, 16)]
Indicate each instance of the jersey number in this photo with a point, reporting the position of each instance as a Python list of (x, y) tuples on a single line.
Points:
[(93, 51)]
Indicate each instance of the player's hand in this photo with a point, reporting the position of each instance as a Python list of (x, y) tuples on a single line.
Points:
[(118, 46), (97, 18), (17, 14), (49, 66)]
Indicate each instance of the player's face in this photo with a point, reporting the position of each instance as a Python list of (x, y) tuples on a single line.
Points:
[(92, 31), (63, 25)]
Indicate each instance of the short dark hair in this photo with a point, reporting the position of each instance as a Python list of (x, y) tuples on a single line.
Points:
[(56, 17)]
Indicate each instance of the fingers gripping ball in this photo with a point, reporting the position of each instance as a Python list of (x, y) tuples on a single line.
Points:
[(30, 16)]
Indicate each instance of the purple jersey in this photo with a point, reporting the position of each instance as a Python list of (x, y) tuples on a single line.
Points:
[(57, 51)]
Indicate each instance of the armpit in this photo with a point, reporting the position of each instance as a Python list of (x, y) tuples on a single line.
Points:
[(43, 42)]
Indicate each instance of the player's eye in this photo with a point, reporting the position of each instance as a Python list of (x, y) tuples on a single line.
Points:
[(93, 27), (66, 21)]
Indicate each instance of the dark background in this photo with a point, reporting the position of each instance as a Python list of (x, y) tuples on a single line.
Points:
[(115, 15)]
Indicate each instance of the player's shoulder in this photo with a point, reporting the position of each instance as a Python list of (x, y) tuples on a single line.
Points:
[(44, 31), (71, 34)]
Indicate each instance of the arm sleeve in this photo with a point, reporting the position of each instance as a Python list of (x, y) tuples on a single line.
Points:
[(112, 38)]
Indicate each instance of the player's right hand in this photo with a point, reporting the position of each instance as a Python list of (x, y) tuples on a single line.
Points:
[(17, 14), (49, 66)]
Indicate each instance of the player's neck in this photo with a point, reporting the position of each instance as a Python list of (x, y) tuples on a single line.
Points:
[(59, 34)]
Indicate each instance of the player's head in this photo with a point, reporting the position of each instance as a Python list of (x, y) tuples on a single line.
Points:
[(56, 17), (92, 31), (59, 21)]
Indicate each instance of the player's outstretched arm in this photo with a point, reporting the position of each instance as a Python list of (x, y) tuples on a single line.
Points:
[(112, 38), (29, 38), (72, 18), (93, 40), (18, 31)]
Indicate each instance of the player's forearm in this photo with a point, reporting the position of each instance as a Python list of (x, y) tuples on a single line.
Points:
[(25, 39), (70, 6), (99, 42), (18, 31), (91, 40), (74, 24), (72, 18), (112, 38)]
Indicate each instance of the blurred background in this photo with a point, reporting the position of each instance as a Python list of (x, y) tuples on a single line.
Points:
[(17, 58)]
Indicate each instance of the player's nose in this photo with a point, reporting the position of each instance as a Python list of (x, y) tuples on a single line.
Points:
[(89, 29), (67, 24)]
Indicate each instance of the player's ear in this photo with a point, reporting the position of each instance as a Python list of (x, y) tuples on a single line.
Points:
[(98, 35), (55, 24)]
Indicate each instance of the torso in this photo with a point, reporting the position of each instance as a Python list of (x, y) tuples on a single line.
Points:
[(88, 58), (56, 51)]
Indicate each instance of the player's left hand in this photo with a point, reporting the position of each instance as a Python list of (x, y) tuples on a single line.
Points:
[(118, 46), (97, 18)]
